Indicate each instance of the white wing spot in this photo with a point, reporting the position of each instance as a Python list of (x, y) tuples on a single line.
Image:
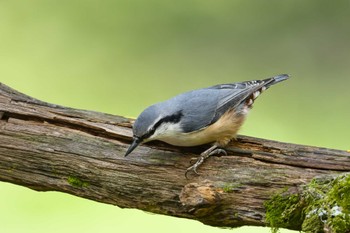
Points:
[(256, 94), (245, 110), (250, 102)]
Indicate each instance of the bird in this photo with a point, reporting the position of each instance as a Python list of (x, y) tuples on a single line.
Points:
[(211, 115)]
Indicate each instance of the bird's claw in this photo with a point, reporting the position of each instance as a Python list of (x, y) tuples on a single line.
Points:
[(193, 160), (193, 169), (218, 151), (201, 159)]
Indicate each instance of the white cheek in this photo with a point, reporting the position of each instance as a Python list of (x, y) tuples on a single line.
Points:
[(166, 130)]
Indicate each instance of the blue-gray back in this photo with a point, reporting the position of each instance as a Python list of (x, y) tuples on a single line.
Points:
[(200, 108), (203, 107)]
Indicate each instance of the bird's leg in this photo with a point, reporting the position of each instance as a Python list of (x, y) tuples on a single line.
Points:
[(204, 155)]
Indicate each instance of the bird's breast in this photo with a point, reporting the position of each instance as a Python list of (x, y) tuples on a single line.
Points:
[(220, 132)]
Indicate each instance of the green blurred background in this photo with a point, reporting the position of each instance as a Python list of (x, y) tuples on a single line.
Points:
[(121, 56)]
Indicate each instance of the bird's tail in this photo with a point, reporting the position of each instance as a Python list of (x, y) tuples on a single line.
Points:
[(263, 85), (271, 81)]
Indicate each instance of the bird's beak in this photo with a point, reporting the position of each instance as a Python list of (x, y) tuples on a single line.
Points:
[(133, 145)]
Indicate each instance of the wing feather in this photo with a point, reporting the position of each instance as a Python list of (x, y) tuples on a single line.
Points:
[(204, 107)]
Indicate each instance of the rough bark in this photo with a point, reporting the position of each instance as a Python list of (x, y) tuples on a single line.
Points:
[(49, 147)]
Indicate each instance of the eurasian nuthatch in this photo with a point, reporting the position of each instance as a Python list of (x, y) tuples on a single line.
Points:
[(208, 115)]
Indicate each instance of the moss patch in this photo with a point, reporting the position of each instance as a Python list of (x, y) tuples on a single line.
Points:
[(230, 187), (322, 204), (76, 182), (284, 210)]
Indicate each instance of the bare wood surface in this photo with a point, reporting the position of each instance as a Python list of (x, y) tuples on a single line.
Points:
[(50, 147)]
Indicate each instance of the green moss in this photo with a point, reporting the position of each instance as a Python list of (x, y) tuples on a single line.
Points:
[(76, 182), (340, 223), (312, 223), (284, 211), (230, 187), (323, 203), (340, 192)]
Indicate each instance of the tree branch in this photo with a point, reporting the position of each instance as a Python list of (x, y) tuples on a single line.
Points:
[(50, 147)]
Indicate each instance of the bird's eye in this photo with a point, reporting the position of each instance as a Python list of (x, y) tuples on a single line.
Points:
[(148, 134), (174, 118)]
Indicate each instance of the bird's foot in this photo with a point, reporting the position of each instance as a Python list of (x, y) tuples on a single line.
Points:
[(218, 151), (206, 154), (194, 167)]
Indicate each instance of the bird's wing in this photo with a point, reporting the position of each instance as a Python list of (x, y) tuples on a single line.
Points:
[(233, 95), (205, 106)]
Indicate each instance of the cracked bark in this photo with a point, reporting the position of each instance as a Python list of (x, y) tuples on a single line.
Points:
[(49, 147)]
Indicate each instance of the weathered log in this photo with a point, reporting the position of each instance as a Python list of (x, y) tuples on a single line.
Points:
[(49, 147)]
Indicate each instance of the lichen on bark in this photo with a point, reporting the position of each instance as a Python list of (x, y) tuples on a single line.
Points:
[(323, 205)]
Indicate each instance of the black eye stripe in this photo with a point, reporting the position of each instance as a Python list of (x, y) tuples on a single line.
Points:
[(148, 134), (175, 118)]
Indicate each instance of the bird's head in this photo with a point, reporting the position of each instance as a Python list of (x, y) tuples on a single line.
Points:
[(152, 124)]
